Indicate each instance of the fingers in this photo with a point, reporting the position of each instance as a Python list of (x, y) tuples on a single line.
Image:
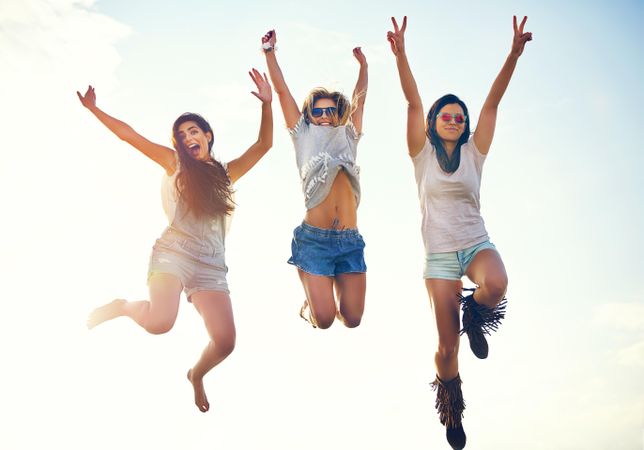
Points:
[(392, 44), (393, 19), (514, 24), (260, 80), (522, 24), (404, 26), (256, 94), (267, 37)]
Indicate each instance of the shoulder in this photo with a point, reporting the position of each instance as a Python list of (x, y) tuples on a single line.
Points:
[(424, 153), (352, 132), (299, 127), (470, 148)]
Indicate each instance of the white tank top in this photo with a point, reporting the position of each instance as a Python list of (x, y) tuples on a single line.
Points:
[(450, 202)]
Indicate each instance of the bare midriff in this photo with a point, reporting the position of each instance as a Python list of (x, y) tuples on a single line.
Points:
[(338, 210)]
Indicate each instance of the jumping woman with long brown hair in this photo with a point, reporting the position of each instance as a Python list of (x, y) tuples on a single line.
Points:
[(190, 254)]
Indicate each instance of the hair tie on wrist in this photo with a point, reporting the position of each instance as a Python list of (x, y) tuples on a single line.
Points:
[(267, 47)]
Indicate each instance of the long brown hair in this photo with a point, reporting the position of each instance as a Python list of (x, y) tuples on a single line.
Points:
[(203, 185)]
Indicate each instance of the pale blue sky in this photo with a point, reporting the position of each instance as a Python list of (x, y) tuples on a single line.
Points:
[(562, 199)]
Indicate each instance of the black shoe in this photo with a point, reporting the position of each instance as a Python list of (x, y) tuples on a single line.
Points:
[(450, 406), (478, 343), (456, 437), (479, 320)]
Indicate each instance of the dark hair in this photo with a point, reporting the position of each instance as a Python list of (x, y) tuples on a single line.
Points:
[(448, 164), (204, 186)]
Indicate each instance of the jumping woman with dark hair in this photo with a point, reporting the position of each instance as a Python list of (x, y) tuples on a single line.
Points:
[(190, 254), (327, 248), (448, 163)]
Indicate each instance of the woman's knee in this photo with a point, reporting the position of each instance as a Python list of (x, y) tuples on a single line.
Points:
[(447, 351), (495, 288), (324, 319), (225, 344), (159, 326), (351, 320)]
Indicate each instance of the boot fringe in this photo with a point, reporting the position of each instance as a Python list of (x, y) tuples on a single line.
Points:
[(449, 401), (487, 319)]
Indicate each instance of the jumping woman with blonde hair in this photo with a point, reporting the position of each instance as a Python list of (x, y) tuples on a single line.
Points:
[(327, 248), (448, 164), (190, 254)]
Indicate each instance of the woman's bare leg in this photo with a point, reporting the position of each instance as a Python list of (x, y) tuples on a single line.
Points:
[(319, 294), (444, 295), (156, 315), (488, 272), (217, 313), (350, 289)]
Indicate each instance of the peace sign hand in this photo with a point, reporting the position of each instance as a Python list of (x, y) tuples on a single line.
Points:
[(520, 38), (396, 38)]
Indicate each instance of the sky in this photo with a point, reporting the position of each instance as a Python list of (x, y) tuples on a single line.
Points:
[(562, 198)]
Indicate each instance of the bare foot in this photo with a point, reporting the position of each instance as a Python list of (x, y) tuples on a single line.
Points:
[(106, 312), (200, 394)]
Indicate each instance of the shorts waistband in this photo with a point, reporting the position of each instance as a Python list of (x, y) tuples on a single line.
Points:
[(329, 232)]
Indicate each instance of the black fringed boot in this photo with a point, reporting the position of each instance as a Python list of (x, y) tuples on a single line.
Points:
[(479, 320), (450, 406)]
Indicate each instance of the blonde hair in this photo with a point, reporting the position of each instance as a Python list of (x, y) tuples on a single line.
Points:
[(342, 103)]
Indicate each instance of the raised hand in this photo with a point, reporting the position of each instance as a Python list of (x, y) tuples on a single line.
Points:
[(270, 37), (89, 99), (520, 38), (264, 92), (396, 38), (362, 59)]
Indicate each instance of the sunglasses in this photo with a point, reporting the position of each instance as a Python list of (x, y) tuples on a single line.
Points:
[(317, 112), (458, 117)]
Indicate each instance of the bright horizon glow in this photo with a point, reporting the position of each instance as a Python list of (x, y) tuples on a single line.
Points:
[(562, 198)]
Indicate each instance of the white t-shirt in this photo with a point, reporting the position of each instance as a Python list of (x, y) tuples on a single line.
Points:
[(450, 202)]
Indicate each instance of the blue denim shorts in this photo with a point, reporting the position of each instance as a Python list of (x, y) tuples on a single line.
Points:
[(327, 253), (182, 257), (452, 265)]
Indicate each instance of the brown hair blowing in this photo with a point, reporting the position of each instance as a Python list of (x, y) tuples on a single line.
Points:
[(203, 185)]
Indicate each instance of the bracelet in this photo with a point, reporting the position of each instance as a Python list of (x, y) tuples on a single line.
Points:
[(267, 47)]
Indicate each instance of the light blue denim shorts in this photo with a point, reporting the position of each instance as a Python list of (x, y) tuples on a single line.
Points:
[(452, 265)]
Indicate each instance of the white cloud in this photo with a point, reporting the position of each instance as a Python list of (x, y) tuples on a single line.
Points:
[(49, 43)]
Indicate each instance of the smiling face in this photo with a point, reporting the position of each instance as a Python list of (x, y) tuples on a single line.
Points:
[(450, 130), (325, 120), (194, 140)]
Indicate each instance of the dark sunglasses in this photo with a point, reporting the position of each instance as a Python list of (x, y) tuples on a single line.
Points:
[(458, 118), (317, 112)]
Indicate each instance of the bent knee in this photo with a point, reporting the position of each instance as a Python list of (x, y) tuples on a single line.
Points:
[(495, 289), (225, 344), (159, 327), (324, 321), (352, 321)]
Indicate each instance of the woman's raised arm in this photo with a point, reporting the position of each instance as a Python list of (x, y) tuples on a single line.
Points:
[(164, 156)]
